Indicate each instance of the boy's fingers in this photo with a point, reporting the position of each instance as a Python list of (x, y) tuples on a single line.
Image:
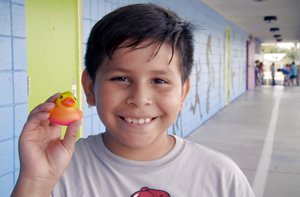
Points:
[(42, 108), (38, 119), (39, 116), (71, 135), (52, 98)]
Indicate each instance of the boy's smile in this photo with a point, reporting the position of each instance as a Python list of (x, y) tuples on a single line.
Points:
[(138, 97)]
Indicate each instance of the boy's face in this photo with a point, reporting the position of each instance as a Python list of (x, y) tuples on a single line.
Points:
[(137, 98)]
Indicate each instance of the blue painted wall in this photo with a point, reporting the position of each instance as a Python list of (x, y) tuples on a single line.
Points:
[(207, 95), (13, 89)]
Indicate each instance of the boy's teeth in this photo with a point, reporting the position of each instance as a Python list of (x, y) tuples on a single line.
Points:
[(138, 121)]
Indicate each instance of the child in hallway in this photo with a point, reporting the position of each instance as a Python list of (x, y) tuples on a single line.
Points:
[(286, 73), (298, 75), (294, 73), (138, 62), (273, 70), (257, 73), (261, 73)]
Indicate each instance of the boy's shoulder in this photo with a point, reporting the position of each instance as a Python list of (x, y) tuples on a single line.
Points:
[(217, 164), (87, 144), (213, 158)]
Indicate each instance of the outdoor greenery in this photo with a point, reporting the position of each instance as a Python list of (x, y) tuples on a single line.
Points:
[(292, 54)]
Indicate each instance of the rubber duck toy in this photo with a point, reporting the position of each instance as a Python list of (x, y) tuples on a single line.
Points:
[(65, 110)]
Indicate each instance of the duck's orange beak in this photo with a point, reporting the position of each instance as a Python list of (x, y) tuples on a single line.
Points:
[(68, 102)]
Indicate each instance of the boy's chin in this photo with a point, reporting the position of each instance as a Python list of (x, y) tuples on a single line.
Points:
[(135, 142)]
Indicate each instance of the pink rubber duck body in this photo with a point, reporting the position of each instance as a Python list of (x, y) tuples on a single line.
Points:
[(65, 110)]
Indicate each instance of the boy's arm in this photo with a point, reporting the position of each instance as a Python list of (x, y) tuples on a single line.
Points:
[(43, 154), (32, 187)]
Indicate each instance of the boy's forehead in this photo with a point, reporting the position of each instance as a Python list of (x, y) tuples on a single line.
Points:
[(121, 69), (124, 56), (153, 48)]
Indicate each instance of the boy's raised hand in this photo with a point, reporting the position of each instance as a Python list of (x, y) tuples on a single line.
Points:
[(43, 154)]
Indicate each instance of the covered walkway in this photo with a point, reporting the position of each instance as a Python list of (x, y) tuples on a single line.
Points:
[(260, 131)]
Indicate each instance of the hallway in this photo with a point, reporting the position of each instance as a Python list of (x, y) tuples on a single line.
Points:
[(260, 131)]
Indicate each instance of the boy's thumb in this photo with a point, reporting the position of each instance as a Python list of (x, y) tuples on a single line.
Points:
[(71, 135)]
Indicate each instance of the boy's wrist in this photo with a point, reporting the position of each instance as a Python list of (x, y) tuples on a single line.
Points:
[(33, 186)]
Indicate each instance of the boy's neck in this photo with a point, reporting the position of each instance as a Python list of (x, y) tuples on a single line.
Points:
[(152, 152)]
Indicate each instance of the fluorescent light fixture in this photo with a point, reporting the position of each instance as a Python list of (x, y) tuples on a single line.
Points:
[(270, 19), (274, 29)]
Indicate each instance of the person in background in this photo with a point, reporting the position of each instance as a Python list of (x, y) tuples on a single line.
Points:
[(261, 72), (257, 74), (273, 70), (294, 74), (286, 72), (298, 74)]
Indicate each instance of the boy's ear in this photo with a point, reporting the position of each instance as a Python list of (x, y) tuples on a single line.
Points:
[(185, 91), (88, 87)]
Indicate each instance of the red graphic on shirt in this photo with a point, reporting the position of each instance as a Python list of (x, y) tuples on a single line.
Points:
[(147, 192)]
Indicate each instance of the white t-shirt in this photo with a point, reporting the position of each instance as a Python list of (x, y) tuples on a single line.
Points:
[(188, 170)]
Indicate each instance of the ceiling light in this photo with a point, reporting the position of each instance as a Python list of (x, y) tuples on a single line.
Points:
[(274, 29), (277, 36), (270, 19)]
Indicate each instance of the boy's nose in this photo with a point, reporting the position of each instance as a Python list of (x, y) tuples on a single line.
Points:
[(139, 96)]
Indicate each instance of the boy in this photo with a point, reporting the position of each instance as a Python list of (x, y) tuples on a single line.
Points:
[(138, 62)]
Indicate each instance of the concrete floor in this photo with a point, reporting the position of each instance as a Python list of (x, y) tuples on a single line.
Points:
[(260, 131)]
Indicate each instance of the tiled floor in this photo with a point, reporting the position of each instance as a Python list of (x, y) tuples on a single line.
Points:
[(261, 132)]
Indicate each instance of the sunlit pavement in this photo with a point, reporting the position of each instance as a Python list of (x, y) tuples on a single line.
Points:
[(260, 131)]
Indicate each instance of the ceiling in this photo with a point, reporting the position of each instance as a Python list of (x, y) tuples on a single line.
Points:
[(249, 15)]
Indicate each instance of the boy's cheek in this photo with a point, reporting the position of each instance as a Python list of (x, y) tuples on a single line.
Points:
[(171, 102)]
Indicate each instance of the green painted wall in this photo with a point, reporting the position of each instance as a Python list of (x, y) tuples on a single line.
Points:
[(227, 65), (53, 48)]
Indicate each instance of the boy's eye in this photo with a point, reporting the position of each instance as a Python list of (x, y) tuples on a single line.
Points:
[(125, 79), (159, 81)]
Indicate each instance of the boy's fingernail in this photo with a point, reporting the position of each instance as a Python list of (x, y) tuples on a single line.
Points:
[(50, 105)]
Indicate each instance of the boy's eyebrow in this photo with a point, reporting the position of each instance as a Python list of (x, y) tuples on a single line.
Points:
[(116, 68), (163, 72), (125, 70)]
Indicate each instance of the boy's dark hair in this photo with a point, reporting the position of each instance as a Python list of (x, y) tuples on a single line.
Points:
[(136, 24)]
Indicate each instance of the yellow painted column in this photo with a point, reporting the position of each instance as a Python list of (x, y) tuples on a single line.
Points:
[(54, 55), (227, 65)]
